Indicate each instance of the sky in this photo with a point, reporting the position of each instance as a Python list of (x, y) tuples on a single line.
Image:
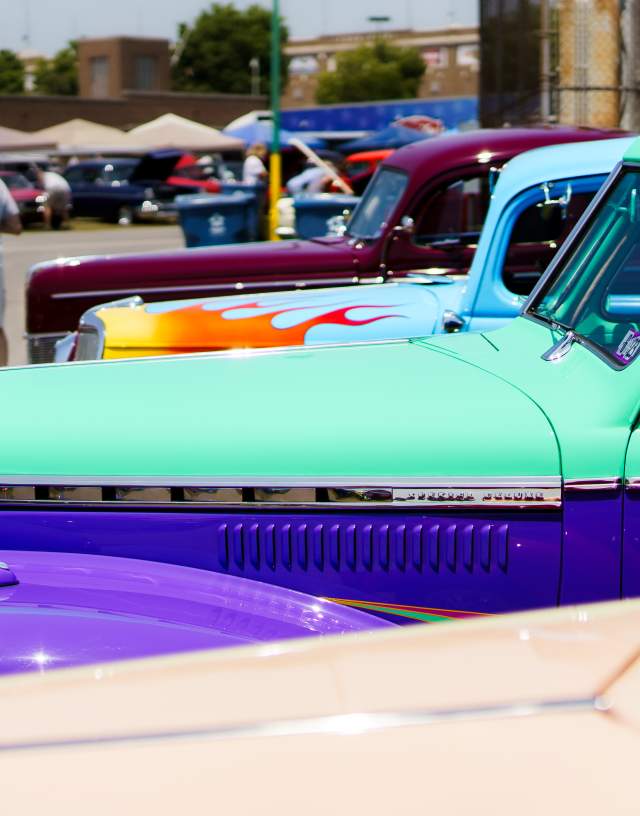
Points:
[(46, 26)]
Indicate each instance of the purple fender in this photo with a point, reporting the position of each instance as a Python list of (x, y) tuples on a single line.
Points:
[(61, 609)]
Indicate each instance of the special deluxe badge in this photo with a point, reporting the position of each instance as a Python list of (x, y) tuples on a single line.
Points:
[(628, 349)]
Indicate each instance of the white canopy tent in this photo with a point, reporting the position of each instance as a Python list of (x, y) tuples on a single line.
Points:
[(173, 131), (81, 136), (11, 139)]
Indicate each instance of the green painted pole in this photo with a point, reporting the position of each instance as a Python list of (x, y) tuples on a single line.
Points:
[(275, 164)]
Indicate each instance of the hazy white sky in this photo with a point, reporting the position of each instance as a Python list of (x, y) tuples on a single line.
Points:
[(46, 25)]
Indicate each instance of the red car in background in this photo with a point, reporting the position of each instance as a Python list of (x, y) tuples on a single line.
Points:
[(30, 199), (359, 167)]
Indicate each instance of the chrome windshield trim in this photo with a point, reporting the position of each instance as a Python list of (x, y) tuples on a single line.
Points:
[(301, 493), (605, 484), (353, 724)]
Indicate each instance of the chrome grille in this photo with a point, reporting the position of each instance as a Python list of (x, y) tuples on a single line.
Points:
[(41, 347)]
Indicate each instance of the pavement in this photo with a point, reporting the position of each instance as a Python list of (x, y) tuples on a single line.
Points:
[(34, 246)]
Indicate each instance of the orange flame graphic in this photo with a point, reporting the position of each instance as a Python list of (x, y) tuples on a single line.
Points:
[(196, 329)]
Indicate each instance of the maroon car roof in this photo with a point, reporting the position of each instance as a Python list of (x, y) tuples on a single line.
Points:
[(484, 146)]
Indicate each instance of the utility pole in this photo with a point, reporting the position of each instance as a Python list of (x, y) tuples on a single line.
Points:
[(275, 162)]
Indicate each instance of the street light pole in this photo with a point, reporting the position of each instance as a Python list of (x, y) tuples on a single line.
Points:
[(275, 165)]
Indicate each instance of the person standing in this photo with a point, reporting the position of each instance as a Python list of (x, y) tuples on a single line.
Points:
[(56, 210), (10, 223), (253, 169)]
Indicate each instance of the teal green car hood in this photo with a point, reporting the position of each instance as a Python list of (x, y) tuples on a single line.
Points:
[(383, 409)]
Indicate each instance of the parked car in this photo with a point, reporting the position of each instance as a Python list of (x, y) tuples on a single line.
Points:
[(416, 182), (476, 472), (538, 199), (124, 190), (360, 167), (527, 714), (30, 199), (58, 609)]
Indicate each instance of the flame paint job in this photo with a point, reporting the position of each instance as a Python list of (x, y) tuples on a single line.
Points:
[(284, 320)]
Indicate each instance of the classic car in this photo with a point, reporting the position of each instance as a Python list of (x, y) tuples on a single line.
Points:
[(530, 714), (414, 181), (448, 476), (536, 202), (65, 609), (125, 190), (30, 199)]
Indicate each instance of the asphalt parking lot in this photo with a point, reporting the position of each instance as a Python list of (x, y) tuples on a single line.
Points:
[(34, 246)]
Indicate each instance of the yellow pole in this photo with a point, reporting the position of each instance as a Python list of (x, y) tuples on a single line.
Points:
[(275, 185), (275, 164)]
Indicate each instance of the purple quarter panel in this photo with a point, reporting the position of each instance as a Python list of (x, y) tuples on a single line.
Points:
[(631, 558), (592, 547), (480, 563), (69, 610)]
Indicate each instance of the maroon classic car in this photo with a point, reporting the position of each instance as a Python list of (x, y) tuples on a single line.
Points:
[(423, 210)]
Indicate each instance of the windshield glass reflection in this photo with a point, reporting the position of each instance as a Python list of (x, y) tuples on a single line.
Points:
[(378, 203)]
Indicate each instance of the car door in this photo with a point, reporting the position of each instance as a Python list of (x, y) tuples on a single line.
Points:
[(447, 224)]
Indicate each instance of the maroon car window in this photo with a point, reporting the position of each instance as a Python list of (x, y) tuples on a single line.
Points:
[(455, 211), (537, 234)]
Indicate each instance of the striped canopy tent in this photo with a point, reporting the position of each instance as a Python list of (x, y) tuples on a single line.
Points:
[(173, 131), (12, 140), (82, 136)]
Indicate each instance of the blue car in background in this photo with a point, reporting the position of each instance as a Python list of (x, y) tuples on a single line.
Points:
[(123, 190)]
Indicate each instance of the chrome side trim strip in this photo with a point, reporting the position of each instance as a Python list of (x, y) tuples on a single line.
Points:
[(211, 287), (605, 484), (632, 483), (302, 493), (444, 482), (336, 725)]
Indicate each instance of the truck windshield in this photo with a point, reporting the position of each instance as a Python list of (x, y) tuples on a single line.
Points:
[(595, 291), (379, 201)]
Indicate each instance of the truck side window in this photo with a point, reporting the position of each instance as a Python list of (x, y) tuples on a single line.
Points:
[(456, 210), (536, 237)]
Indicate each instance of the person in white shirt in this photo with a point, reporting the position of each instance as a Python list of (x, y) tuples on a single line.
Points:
[(9, 222), (56, 211), (253, 169)]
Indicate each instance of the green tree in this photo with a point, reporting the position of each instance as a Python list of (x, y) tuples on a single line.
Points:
[(370, 72), (213, 54), (11, 73), (59, 75)]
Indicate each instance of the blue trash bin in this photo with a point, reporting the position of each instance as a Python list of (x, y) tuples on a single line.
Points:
[(208, 220), (260, 193), (316, 214)]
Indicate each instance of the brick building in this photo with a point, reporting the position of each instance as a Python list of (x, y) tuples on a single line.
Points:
[(451, 56)]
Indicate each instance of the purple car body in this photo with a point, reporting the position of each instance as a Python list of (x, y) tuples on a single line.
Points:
[(61, 609)]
